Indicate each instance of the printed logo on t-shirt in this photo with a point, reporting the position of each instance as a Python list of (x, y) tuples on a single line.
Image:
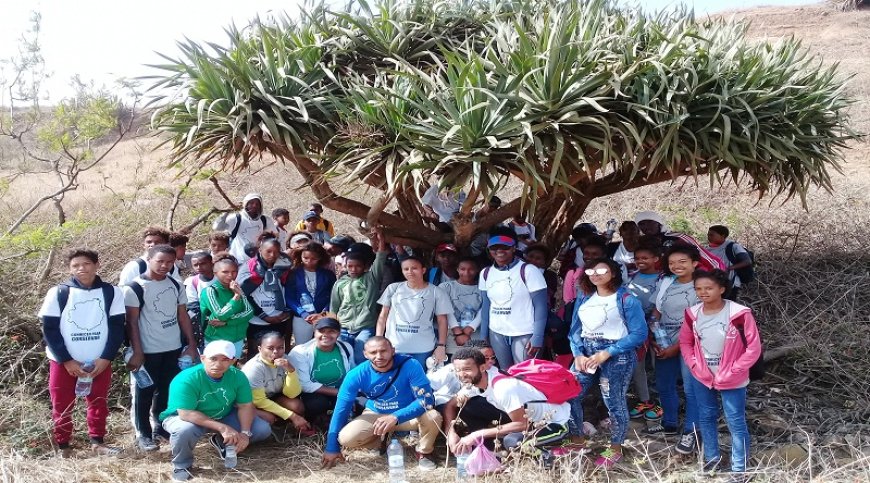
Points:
[(266, 299), (672, 299), (217, 393), (158, 303), (410, 310), (501, 293), (86, 316), (325, 366), (595, 332), (389, 400)]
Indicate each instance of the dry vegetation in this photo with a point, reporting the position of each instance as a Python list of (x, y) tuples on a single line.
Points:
[(810, 418)]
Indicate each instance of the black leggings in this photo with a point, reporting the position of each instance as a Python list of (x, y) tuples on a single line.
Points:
[(152, 400)]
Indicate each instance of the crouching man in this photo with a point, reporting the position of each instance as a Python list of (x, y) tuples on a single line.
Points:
[(212, 397), (399, 399)]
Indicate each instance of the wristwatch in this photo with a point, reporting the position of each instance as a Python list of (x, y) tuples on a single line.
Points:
[(248, 433), (440, 345)]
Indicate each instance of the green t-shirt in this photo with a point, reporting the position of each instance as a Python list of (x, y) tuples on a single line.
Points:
[(328, 367), (193, 390)]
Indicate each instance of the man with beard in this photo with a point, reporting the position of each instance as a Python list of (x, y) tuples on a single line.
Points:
[(399, 399)]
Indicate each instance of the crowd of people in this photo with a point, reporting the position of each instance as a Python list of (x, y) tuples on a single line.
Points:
[(290, 324)]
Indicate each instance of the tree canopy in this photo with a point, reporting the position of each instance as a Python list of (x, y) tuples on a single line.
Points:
[(575, 99)]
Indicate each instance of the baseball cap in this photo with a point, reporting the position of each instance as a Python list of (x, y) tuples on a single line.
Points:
[(310, 214), (220, 347), (501, 240), (327, 323), (343, 241), (446, 247)]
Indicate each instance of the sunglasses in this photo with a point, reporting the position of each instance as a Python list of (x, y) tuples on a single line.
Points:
[(596, 271), (499, 248), (489, 358)]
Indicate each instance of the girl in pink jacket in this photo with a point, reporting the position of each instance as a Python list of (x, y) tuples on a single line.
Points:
[(720, 342)]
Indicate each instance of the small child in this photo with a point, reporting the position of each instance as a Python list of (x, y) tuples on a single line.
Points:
[(225, 309), (218, 241), (643, 284), (354, 297), (203, 274), (464, 293), (281, 217), (83, 322)]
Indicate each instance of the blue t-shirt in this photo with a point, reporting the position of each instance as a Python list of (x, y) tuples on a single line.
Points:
[(408, 396)]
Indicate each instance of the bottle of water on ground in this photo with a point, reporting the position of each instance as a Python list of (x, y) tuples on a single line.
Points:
[(307, 303), (231, 456), (141, 376), (396, 461), (84, 383), (461, 473)]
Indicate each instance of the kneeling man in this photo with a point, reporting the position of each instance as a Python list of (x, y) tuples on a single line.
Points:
[(399, 399), (213, 397)]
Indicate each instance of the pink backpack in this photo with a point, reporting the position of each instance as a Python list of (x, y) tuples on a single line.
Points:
[(556, 382)]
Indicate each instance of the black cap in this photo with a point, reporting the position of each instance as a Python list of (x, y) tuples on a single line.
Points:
[(327, 323), (342, 241)]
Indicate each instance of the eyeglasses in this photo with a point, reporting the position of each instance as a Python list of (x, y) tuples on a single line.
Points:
[(489, 358), (596, 271), (499, 248)]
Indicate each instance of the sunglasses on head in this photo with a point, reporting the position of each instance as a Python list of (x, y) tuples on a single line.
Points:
[(596, 271)]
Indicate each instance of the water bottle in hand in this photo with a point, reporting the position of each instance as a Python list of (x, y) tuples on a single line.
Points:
[(231, 456), (84, 383), (185, 362), (461, 473), (307, 303), (660, 334), (396, 461), (141, 376)]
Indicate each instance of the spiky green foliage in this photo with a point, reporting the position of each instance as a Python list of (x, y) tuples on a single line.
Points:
[(575, 98)]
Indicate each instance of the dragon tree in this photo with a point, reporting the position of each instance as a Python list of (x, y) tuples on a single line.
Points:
[(573, 100)]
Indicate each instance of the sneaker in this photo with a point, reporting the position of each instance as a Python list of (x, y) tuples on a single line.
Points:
[(146, 444), (608, 458), (659, 430), (688, 443), (425, 462), (567, 447), (654, 413), (105, 450), (181, 474), (711, 467), (640, 409), (160, 435), (217, 442)]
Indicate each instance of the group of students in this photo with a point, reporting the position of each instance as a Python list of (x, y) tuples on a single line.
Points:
[(374, 342)]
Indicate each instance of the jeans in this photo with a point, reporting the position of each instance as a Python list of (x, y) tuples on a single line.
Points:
[(614, 377), (183, 435), (667, 372), (508, 349), (358, 341), (734, 407)]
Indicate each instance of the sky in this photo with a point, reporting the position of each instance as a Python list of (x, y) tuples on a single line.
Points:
[(102, 40)]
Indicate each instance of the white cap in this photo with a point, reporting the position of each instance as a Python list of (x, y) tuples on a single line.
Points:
[(251, 196), (220, 347)]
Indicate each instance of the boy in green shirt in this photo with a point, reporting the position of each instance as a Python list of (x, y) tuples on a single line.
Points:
[(215, 397), (225, 309)]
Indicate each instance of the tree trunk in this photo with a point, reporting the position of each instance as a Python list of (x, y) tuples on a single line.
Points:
[(555, 218)]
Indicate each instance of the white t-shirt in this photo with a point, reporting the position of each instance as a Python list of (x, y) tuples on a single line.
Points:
[(623, 256), (249, 230), (194, 285), (445, 384), (410, 325), (158, 315), (466, 301), (711, 330), (510, 394), (510, 311), (601, 319), (445, 204), (131, 271), (83, 323)]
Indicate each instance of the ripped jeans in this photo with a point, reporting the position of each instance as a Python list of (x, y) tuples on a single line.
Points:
[(614, 377)]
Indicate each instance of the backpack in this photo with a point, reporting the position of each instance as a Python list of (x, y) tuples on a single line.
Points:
[(746, 274), (758, 369), (239, 224), (108, 296), (435, 276), (522, 272), (556, 383)]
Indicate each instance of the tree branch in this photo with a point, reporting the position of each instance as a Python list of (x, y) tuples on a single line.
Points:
[(220, 190), (170, 216)]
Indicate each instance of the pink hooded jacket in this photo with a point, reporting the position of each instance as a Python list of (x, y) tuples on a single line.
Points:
[(736, 359)]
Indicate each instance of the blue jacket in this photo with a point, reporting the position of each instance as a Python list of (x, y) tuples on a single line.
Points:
[(409, 395), (296, 285), (632, 314)]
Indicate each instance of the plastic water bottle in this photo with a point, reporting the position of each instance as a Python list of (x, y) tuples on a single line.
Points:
[(231, 456), (185, 362), (396, 461), (141, 376), (466, 316), (432, 365), (307, 302), (660, 334), (84, 383), (461, 473)]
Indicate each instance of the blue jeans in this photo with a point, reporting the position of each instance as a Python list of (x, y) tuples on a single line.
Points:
[(667, 372), (420, 357), (734, 407), (358, 341), (614, 377), (509, 349), (183, 435)]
